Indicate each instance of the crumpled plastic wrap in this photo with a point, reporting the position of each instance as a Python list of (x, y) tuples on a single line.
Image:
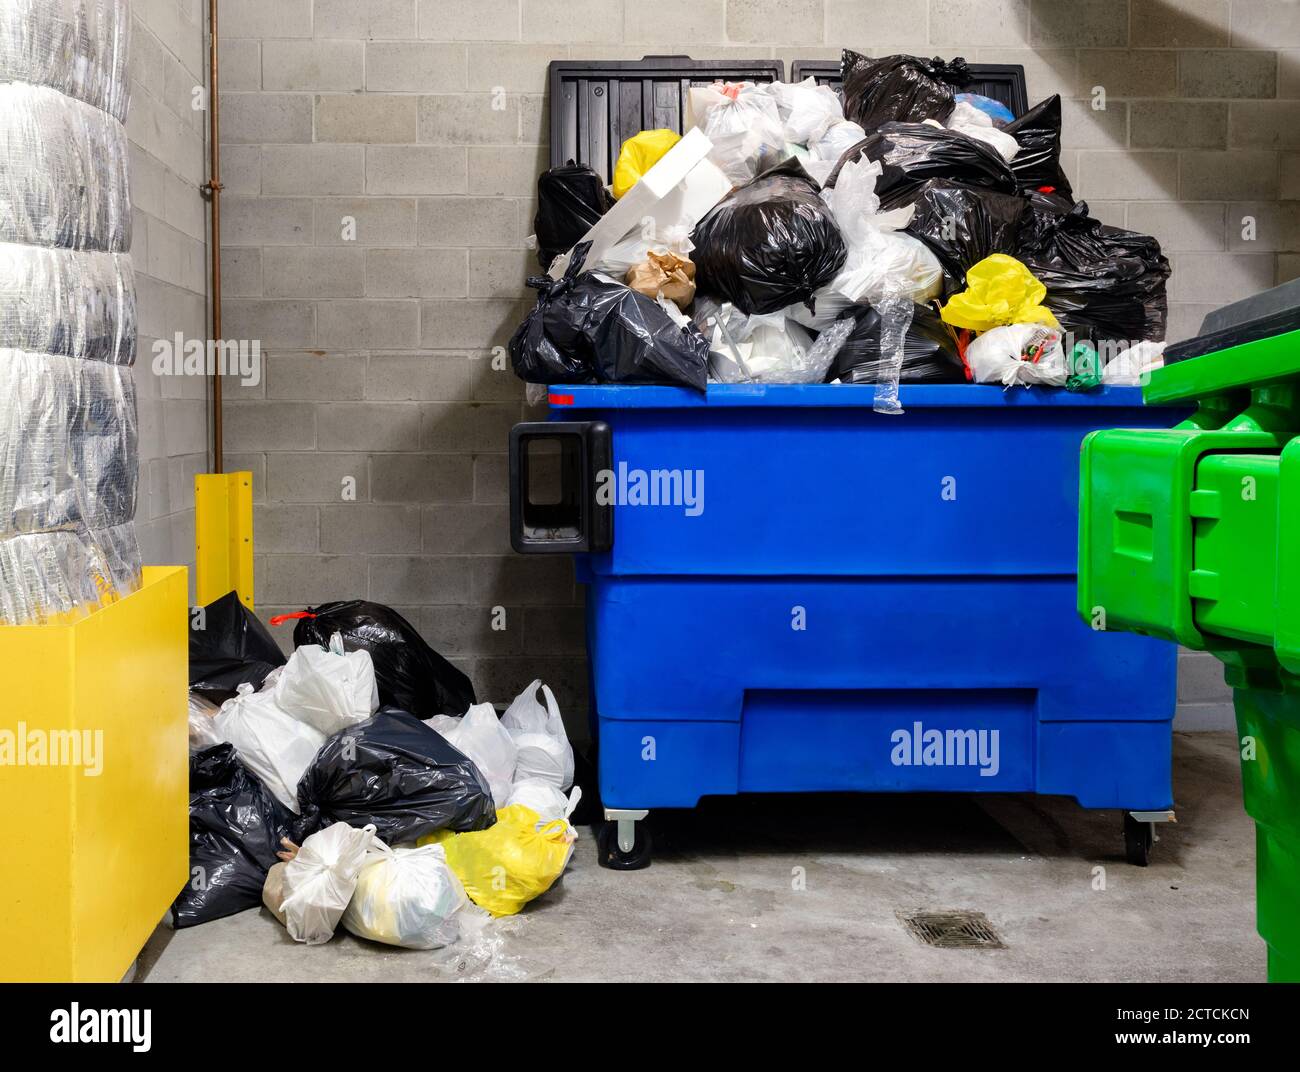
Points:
[(61, 301), (68, 479), (63, 172), (79, 47)]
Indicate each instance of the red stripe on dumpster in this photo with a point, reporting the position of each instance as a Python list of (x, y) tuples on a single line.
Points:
[(560, 400)]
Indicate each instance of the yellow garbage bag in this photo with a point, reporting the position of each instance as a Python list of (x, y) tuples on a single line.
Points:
[(639, 154), (999, 291), (507, 865)]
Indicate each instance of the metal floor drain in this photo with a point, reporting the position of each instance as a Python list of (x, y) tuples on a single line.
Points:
[(952, 930)]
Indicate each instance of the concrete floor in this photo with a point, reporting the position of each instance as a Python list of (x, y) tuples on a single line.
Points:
[(719, 904)]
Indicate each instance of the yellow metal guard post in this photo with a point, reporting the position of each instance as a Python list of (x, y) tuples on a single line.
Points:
[(94, 795), (223, 536)]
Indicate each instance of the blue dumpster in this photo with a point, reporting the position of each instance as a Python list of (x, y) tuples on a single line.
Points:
[(798, 594)]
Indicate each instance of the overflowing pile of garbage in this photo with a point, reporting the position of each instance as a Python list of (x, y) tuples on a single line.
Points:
[(358, 782), (904, 231)]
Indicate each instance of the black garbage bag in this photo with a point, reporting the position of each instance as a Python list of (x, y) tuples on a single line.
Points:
[(232, 648), (408, 673), (570, 199), (1042, 217), (899, 89), (1037, 165), (1104, 284), (585, 329), (929, 352), (964, 224), (235, 829), (394, 771), (910, 154), (768, 244)]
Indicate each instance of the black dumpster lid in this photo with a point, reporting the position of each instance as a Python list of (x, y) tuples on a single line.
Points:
[(596, 105), (1004, 82)]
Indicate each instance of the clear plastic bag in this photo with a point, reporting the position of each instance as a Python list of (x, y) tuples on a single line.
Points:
[(1018, 354), (203, 730), (770, 348), (744, 124)]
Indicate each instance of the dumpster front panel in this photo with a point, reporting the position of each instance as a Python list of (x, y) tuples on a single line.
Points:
[(809, 596)]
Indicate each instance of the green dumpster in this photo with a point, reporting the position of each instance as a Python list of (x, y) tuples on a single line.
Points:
[(1193, 534)]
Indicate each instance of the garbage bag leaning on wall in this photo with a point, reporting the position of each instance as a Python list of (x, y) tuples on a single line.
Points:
[(587, 328), (904, 89), (543, 745), (235, 829), (769, 244), (231, 648), (75, 303), (1038, 163), (1104, 284), (910, 154), (929, 352), (79, 47), (570, 199), (63, 172), (395, 772), (409, 674), (328, 688)]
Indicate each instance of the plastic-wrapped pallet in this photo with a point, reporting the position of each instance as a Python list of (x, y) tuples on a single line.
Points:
[(78, 47), (62, 301), (68, 432), (63, 167)]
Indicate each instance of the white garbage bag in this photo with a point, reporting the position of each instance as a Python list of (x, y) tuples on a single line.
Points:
[(813, 117), (544, 749), (319, 881), (273, 745), (481, 736), (203, 728), (744, 125), (1018, 354), (328, 688), (763, 348), (969, 120), (542, 797), (882, 261), (406, 897), (1134, 366)]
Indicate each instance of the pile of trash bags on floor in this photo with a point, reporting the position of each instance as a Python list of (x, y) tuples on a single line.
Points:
[(357, 782), (902, 230)]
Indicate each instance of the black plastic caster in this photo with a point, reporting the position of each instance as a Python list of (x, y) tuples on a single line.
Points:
[(1139, 837), (611, 856)]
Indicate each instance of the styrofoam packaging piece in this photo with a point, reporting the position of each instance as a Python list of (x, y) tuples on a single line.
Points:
[(678, 191), (63, 172), (79, 303), (65, 572), (79, 47), (68, 443)]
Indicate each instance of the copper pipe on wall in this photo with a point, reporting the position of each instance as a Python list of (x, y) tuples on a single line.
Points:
[(212, 189)]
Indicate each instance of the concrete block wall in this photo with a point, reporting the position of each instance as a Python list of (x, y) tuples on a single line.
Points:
[(169, 252), (381, 156)]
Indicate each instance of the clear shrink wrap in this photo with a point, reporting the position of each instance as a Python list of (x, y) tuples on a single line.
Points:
[(71, 302), (79, 47), (63, 172)]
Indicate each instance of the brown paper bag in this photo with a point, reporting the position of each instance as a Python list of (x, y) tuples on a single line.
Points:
[(670, 273)]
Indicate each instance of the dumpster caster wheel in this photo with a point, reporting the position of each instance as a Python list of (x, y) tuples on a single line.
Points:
[(1138, 840), (612, 855)]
